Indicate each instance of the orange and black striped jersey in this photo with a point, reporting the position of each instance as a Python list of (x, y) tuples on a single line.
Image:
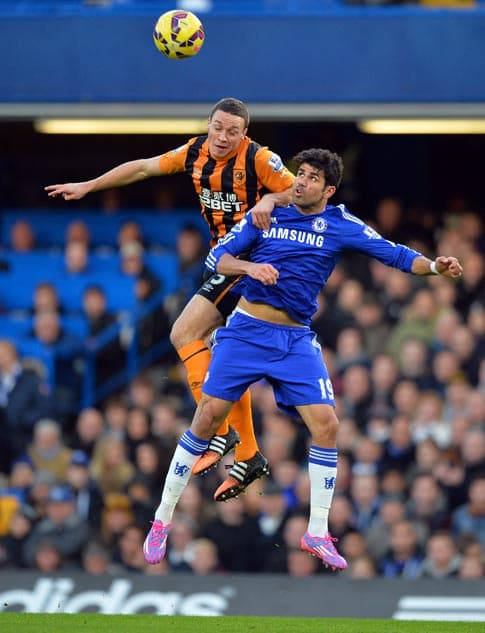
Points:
[(229, 187)]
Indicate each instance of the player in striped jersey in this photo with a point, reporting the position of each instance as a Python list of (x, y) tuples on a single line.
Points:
[(269, 336), (230, 174)]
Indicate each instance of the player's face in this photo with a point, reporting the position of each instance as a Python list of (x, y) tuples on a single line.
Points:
[(225, 132), (310, 191)]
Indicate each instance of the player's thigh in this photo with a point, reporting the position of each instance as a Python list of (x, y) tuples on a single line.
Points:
[(322, 423), (196, 321), (237, 361), (301, 377)]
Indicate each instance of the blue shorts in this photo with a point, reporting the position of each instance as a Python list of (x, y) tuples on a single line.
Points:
[(289, 358)]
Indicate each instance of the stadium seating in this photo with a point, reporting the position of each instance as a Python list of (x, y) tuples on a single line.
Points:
[(159, 228)]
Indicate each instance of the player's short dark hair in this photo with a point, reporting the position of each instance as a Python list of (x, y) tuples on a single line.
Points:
[(232, 106), (324, 160)]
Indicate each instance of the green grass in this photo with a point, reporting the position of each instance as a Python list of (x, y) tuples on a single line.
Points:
[(95, 623)]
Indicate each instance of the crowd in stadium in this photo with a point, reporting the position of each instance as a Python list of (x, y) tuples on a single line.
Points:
[(407, 360)]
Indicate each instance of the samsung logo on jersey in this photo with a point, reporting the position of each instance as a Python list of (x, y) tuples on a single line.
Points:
[(293, 235)]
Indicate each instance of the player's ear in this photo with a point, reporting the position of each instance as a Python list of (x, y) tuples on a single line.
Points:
[(329, 191)]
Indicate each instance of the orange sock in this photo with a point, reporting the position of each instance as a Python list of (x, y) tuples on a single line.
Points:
[(196, 358), (241, 419)]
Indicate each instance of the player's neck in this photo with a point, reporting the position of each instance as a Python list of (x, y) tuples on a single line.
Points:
[(312, 210)]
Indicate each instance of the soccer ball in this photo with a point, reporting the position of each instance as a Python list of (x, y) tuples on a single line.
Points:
[(178, 34)]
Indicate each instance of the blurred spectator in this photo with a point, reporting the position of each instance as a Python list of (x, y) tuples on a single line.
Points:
[(391, 512), (442, 558), (365, 499), (356, 395), (110, 466), (350, 350), (238, 537), (182, 534), (471, 286), (142, 392), (78, 231), (141, 499), (154, 326), (40, 491), (414, 362), (191, 251), (151, 465), (273, 514), (117, 515), (384, 373), (340, 517), (371, 320), (12, 544), (97, 560), (399, 449), (130, 549), (109, 357), (469, 519), (89, 427), (48, 451), (417, 322), (88, 497), (115, 414), (76, 257), (301, 565), (404, 557), (428, 422), (471, 568), (202, 557), (47, 557), (22, 237), (129, 232), (137, 430), (363, 568), (21, 478), (353, 546), (427, 504), (396, 292), (67, 350), (24, 399), (61, 525), (46, 299)]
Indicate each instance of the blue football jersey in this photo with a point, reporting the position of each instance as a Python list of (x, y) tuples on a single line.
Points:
[(304, 249)]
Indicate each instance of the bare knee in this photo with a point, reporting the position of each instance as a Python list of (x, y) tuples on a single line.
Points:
[(196, 322), (325, 433), (209, 415)]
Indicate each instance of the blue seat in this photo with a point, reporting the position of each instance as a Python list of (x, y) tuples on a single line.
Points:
[(159, 228), (15, 327)]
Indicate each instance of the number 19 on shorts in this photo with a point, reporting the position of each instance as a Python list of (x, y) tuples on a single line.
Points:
[(326, 388)]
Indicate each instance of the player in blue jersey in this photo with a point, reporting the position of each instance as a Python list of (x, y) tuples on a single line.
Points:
[(269, 336)]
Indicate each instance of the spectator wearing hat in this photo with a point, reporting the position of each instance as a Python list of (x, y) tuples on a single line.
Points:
[(88, 497), (61, 524)]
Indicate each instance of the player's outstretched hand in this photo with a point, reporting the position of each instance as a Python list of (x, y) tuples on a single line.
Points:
[(449, 267), (69, 191), (265, 273)]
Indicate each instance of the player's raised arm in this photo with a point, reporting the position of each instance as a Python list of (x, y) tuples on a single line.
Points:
[(262, 210), (119, 176)]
